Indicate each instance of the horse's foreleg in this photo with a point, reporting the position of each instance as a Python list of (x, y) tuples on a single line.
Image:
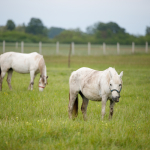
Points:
[(73, 104), (32, 76), (111, 109), (1, 79), (104, 100), (9, 78)]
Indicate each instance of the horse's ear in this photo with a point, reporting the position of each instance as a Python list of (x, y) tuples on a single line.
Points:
[(47, 77), (121, 74), (110, 74)]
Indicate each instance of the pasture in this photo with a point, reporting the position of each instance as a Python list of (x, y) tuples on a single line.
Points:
[(34, 120)]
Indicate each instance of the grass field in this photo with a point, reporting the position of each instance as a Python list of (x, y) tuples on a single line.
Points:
[(34, 120)]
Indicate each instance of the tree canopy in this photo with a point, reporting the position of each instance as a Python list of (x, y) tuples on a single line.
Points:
[(147, 30), (10, 25), (54, 31), (100, 32), (35, 26)]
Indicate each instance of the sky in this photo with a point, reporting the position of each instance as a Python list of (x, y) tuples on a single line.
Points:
[(133, 15)]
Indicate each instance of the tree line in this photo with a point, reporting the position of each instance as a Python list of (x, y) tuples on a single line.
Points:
[(100, 32)]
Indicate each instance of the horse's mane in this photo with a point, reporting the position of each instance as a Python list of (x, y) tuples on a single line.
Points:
[(113, 71)]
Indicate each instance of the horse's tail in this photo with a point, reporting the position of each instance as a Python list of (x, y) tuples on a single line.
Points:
[(75, 107)]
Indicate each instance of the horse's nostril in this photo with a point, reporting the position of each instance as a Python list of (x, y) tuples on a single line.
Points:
[(116, 99)]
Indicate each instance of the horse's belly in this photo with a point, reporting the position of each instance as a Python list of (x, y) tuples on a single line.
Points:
[(92, 95), (21, 69)]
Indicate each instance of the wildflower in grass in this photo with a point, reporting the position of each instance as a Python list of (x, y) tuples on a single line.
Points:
[(16, 117)]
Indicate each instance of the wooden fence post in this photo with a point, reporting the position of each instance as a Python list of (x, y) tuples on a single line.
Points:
[(146, 48), (72, 45), (89, 48), (16, 44), (40, 47), (104, 48), (3, 46), (118, 48), (69, 55), (22, 47), (133, 45), (57, 47)]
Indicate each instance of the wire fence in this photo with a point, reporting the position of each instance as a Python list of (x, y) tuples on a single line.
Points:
[(77, 49)]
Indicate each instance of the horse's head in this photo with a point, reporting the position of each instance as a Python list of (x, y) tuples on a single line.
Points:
[(42, 82), (115, 85)]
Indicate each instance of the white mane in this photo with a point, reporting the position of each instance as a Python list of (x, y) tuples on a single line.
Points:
[(112, 71)]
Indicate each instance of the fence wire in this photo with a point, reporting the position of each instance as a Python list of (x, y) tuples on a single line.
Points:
[(79, 49)]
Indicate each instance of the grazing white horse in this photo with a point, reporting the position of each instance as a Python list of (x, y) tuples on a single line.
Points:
[(32, 63), (96, 86)]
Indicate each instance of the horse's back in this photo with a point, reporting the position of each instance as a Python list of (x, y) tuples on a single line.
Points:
[(20, 62)]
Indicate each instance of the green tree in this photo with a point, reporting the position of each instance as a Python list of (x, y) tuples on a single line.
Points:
[(147, 30), (35, 26), (21, 28), (54, 31), (10, 25), (112, 26)]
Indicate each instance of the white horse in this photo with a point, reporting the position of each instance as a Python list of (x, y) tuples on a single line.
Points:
[(32, 63), (96, 86)]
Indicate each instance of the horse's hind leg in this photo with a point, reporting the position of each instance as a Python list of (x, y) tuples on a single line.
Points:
[(2, 75), (10, 71), (84, 106), (73, 105)]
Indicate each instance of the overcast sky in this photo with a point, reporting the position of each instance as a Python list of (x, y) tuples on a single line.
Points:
[(133, 15)]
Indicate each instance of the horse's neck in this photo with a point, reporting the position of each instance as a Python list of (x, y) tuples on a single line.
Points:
[(43, 71), (42, 67)]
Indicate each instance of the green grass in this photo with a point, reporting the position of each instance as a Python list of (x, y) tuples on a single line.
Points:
[(34, 120)]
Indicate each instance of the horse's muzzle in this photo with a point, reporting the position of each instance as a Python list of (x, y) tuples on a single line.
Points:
[(116, 99)]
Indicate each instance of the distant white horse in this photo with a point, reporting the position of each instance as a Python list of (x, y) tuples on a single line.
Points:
[(32, 63), (96, 86)]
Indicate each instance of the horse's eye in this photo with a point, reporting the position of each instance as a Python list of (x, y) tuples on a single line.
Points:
[(110, 84), (119, 84)]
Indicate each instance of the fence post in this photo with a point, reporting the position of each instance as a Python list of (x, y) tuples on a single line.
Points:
[(104, 48), (16, 44), (22, 47), (57, 47), (40, 47), (89, 48), (72, 45), (146, 48), (133, 47), (118, 48), (3, 46)]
